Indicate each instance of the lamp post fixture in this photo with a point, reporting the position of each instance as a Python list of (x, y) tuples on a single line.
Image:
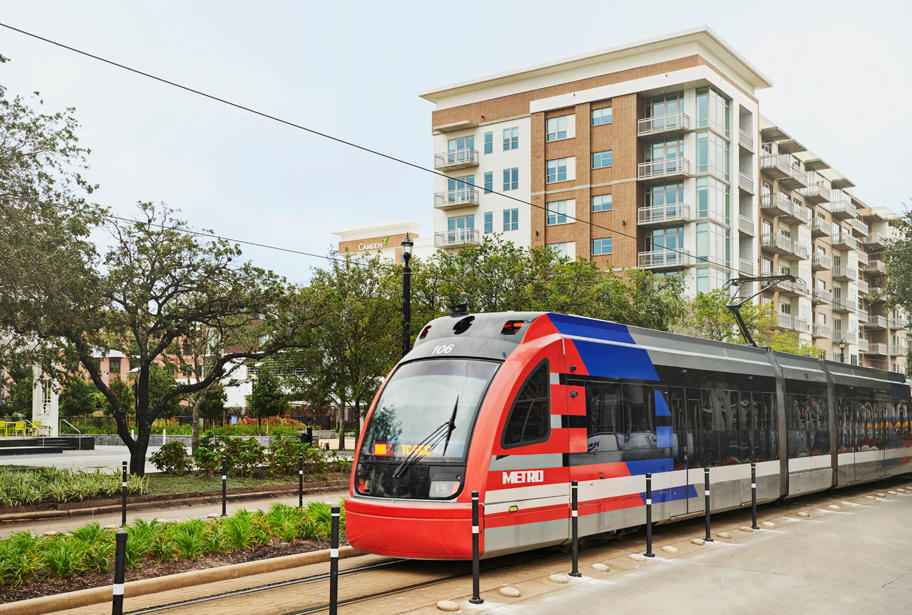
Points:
[(406, 293), (842, 350)]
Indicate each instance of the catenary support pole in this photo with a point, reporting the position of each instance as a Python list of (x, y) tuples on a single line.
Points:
[(120, 561), (476, 568), (574, 527), (649, 552), (706, 504), (123, 495), (224, 486), (754, 496), (334, 563)]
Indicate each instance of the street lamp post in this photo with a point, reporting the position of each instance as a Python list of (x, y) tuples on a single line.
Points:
[(842, 350), (406, 293)]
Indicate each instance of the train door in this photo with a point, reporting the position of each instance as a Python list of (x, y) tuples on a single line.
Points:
[(675, 436), (693, 460)]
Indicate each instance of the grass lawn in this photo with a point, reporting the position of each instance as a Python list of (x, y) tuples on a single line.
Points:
[(164, 484)]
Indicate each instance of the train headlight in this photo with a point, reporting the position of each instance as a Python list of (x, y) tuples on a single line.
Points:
[(443, 488)]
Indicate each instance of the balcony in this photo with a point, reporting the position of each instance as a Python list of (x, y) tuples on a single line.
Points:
[(664, 259), (821, 261), (776, 243), (799, 213), (745, 266), (843, 305), (800, 250), (848, 336), (822, 331), (858, 226), (746, 225), (863, 288), (863, 344), (456, 159), (875, 241), (897, 322), (877, 349), (844, 241), (663, 124), (660, 214), (816, 193), (821, 295), (746, 182), (456, 198), (797, 178), (820, 228), (862, 258), (457, 238), (794, 289), (746, 140), (787, 321), (777, 204), (844, 274), (876, 267), (899, 349), (675, 167), (877, 322), (777, 167), (842, 209), (863, 315)]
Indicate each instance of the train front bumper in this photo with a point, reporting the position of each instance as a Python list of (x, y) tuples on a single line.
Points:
[(411, 529)]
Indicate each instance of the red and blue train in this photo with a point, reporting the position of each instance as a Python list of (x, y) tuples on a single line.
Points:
[(516, 405)]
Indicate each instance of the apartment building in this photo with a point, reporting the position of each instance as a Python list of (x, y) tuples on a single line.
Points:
[(655, 155)]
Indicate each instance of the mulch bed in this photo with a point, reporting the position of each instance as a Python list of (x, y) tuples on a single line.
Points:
[(47, 585)]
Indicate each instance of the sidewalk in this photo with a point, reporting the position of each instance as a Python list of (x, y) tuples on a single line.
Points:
[(173, 513)]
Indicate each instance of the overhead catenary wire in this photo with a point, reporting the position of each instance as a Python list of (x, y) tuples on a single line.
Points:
[(236, 105)]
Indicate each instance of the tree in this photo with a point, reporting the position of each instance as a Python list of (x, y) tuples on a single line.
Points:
[(161, 385), (344, 361), (268, 398), (898, 258), (18, 398), (706, 316), (212, 405), (78, 398)]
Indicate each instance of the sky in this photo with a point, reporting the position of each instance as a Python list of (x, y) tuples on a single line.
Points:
[(841, 86)]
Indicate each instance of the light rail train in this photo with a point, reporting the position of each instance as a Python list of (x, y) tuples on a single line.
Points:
[(515, 405)]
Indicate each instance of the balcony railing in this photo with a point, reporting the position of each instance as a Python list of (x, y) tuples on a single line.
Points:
[(822, 330), (898, 349), (746, 225), (745, 266), (842, 209), (850, 337), (862, 258), (863, 345), (843, 305), (746, 140), (456, 159), (663, 168), (746, 182), (897, 322), (656, 214), (663, 123), (863, 287), (779, 242), (801, 213), (880, 349), (779, 203), (800, 250), (456, 238), (862, 315), (876, 321), (875, 240), (845, 273), (798, 287), (844, 240), (798, 174), (876, 267), (820, 227), (456, 198), (815, 193), (657, 259), (787, 321), (822, 295), (822, 261), (859, 227), (775, 166)]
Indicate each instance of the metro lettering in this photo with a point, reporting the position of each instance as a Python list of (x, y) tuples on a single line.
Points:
[(521, 477)]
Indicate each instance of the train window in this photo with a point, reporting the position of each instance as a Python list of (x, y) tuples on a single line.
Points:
[(766, 427), (529, 420)]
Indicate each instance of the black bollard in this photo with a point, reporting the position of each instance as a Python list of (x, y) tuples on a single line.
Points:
[(706, 500), (224, 486), (123, 496), (649, 552), (120, 560), (754, 495), (574, 527), (476, 568), (310, 435), (301, 480), (334, 563)]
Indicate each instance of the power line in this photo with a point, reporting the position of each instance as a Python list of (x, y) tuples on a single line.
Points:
[(331, 137)]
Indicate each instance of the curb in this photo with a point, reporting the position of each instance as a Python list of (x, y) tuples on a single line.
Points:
[(164, 503), (144, 587)]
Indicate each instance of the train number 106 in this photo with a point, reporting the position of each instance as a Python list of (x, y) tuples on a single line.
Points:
[(442, 349)]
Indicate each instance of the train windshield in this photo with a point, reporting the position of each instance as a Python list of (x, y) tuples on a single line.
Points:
[(427, 409)]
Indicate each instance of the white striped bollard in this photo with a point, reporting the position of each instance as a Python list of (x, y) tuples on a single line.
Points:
[(476, 568), (706, 504), (224, 486), (754, 496), (123, 495), (649, 552), (334, 562), (120, 560), (301, 480), (574, 527)]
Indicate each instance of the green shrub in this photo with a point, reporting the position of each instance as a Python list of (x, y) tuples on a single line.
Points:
[(140, 539), (208, 455), (63, 557), (172, 458), (238, 530), (38, 485), (189, 537)]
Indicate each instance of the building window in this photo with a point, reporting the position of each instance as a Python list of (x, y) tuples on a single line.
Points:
[(702, 279), (557, 212), (557, 170), (562, 249), (712, 154), (602, 246), (488, 142), (511, 179), (489, 222), (601, 116), (511, 138), (460, 228), (488, 182), (456, 148), (665, 194), (460, 189), (556, 128), (713, 110), (601, 160), (662, 239), (601, 202), (511, 219), (114, 366)]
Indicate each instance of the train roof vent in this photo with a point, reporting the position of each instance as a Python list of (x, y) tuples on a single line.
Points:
[(463, 325)]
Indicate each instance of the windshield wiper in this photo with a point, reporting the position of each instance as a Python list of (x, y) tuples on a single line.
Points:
[(431, 440), (452, 424)]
